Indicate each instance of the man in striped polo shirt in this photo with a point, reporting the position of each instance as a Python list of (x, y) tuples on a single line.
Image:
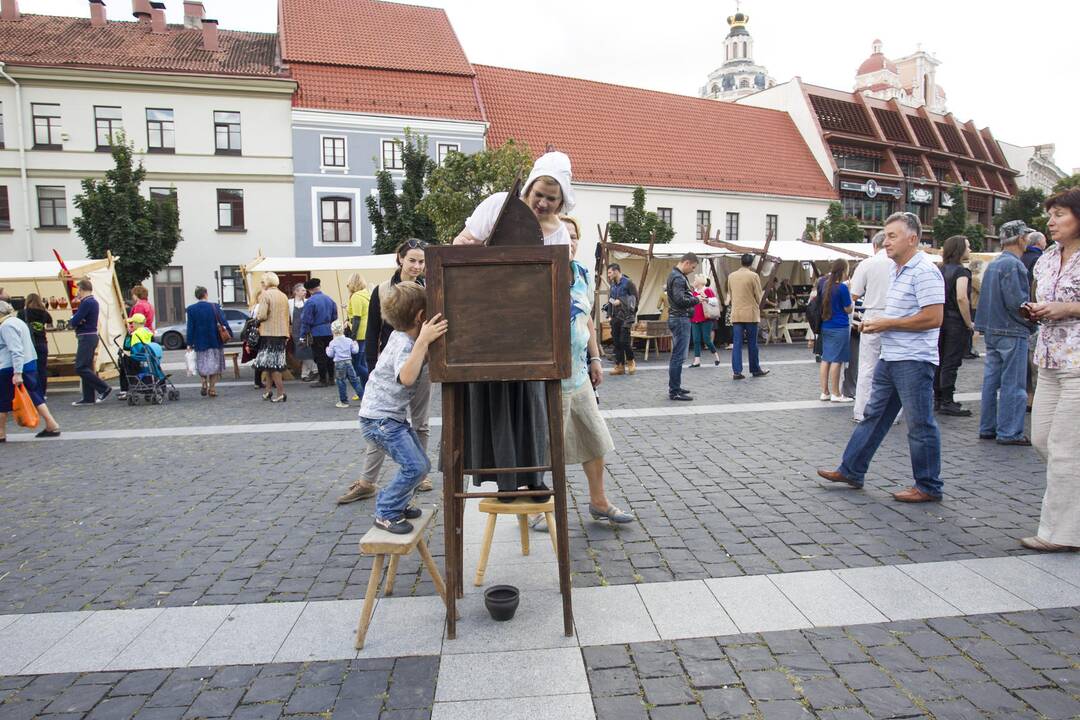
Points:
[(904, 376)]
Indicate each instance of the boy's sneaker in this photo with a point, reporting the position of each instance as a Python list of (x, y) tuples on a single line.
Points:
[(355, 397), (412, 512), (399, 526), (341, 404)]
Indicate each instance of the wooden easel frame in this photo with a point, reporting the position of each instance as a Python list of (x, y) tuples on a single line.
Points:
[(455, 375)]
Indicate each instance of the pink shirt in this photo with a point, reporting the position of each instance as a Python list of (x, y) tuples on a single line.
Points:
[(144, 307), (1059, 341), (699, 309)]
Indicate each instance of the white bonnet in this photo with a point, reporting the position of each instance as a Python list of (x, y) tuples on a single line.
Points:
[(556, 165)]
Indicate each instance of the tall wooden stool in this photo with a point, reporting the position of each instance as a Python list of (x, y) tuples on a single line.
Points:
[(380, 543), (523, 508)]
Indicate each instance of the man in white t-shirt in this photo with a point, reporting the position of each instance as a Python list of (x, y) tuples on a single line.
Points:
[(870, 283)]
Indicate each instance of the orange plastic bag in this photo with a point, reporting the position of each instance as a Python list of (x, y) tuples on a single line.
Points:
[(22, 406)]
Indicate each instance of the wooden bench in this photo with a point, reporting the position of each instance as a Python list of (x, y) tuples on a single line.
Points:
[(380, 543), (235, 356), (522, 507)]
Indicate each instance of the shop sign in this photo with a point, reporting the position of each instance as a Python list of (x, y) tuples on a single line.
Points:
[(922, 196), (870, 188), (946, 200)]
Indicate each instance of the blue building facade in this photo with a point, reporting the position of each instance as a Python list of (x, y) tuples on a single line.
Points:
[(335, 157)]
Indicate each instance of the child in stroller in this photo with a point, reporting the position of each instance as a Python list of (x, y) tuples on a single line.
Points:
[(141, 376)]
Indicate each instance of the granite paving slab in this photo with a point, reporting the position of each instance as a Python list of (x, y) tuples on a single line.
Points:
[(515, 674)]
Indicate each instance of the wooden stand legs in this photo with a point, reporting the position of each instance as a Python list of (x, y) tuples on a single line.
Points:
[(454, 496)]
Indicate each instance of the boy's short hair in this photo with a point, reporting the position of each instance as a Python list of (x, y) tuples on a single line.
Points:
[(337, 328), (401, 304)]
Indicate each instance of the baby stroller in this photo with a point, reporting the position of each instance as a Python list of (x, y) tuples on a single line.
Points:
[(146, 382)]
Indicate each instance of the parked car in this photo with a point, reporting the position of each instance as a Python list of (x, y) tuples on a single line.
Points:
[(172, 337)]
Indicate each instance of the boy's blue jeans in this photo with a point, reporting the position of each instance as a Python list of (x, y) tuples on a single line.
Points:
[(344, 372), (400, 442)]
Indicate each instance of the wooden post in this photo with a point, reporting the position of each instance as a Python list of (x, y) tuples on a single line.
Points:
[(558, 481), (453, 440)]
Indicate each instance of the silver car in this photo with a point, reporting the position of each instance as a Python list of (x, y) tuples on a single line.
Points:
[(172, 337)]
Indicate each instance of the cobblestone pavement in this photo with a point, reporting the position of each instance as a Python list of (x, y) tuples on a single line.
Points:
[(1016, 666), (185, 519), (1020, 665), (401, 689)]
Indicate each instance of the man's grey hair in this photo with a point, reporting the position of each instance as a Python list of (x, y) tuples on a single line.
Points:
[(6, 308), (911, 220), (879, 240), (1036, 238)]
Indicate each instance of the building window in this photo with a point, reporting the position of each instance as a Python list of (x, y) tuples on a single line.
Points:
[(861, 163), (1, 125), (230, 209), (162, 197), (107, 123), (811, 223), (336, 219), (617, 214), (392, 155), (232, 285), (5, 209), (46, 125), (333, 152), (169, 294), (52, 207), (704, 224), (772, 226), (868, 212), (444, 149), (160, 131), (732, 227), (664, 215), (226, 133)]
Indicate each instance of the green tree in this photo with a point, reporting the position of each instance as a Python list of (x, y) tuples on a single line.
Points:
[(394, 215), (955, 222), (810, 231), (1067, 183), (639, 224), (1026, 205), (975, 235), (838, 228), (463, 181), (115, 217)]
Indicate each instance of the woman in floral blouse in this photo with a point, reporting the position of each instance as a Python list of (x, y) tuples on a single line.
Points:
[(1057, 398)]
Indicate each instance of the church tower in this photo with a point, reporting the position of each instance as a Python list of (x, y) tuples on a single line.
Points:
[(739, 76)]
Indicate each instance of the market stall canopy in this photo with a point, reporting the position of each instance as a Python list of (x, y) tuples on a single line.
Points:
[(633, 258), (334, 272)]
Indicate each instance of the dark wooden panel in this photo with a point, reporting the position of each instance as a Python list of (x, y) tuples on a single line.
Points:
[(508, 310)]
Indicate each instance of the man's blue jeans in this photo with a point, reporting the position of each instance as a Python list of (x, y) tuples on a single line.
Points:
[(750, 330), (345, 375), (400, 442), (899, 383), (680, 341), (1004, 372)]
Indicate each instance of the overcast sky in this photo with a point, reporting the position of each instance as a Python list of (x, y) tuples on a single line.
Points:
[(997, 56)]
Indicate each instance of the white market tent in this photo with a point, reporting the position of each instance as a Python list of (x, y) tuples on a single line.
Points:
[(334, 272), (18, 279), (649, 269)]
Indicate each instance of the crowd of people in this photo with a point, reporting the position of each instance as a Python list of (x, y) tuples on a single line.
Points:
[(910, 322)]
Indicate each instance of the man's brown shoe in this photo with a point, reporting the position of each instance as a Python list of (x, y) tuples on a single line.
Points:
[(357, 491), (914, 495), (631, 367), (618, 370), (836, 477)]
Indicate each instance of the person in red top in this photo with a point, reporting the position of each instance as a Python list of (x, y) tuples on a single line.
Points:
[(142, 305), (701, 326)]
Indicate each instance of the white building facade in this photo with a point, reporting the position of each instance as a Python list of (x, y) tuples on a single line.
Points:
[(1036, 165), (219, 146)]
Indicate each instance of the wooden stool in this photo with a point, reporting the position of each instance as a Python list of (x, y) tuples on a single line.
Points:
[(523, 508), (234, 355), (380, 543)]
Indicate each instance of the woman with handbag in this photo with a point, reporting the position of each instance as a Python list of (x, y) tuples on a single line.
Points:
[(272, 315), (207, 333), (18, 372), (701, 324)]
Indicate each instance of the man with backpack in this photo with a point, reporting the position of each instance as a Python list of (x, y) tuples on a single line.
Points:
[(870, 283), (681, 304)]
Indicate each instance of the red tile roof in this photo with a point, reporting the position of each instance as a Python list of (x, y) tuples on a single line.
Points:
[(385, 92), (627, 136), (370, 34), (46, 40)]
